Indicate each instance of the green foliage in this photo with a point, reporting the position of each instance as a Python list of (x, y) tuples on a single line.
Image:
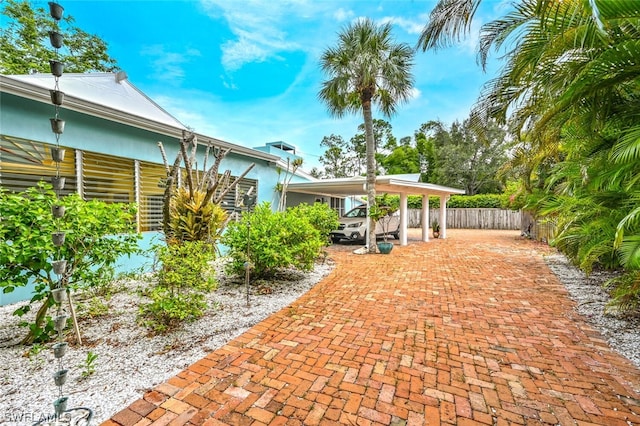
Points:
[(183, 280), (97, 235), (24, 43), (275, 240), (35, 354), (625, 293), (571, 97), (479, 201), (382, 210), (192, 218), (89, 365), (468, 157), (320, 216)]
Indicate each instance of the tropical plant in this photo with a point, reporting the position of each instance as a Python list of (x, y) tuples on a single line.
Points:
[(25, 47), (184, 278), (97, 235), (192, 212), (382, 210), (366, 67), (570, 91)]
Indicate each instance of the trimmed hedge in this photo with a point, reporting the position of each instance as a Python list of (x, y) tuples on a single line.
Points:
[(487, 201)]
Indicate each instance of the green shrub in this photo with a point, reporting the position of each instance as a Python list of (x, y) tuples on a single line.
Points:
[(183, 279), (625, 293), (320, 216), (97, 234), (484, 201), (275, 240)]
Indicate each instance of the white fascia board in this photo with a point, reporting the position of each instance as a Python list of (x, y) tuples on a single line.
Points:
[(423, 187)]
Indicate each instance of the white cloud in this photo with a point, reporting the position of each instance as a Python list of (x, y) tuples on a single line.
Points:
[(415, 94), (168, 65), (411, 26), (258, 27), (229, 84), (343, 15)]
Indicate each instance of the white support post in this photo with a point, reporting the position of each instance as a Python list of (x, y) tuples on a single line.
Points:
[(443, 216), (425, 217), (403, 219)]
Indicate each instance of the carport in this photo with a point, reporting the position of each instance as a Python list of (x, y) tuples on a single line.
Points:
[(403, 185)]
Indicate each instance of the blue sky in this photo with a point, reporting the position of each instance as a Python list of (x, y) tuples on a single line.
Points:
[(247, 71)]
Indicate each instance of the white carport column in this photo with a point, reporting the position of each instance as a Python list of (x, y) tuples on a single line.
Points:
[(403, 219), (425, 217), (443, 216)]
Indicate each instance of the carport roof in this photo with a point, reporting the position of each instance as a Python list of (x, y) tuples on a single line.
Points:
[(392, 184)]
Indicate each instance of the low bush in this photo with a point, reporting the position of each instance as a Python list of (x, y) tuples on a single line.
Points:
[(270, 240), (320, 216), (184, 278)]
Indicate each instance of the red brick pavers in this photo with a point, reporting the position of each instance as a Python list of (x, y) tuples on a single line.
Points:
[(472, 330)]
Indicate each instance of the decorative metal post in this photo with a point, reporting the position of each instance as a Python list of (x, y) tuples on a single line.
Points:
[(249, 201)]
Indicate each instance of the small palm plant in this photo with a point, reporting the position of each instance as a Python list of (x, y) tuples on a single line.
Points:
[(435, 227)]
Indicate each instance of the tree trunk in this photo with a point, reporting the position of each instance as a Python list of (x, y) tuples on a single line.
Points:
[(40, 317), (371, 171)]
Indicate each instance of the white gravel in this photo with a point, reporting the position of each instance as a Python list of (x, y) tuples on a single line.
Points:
[(129, 362), (622, 333)]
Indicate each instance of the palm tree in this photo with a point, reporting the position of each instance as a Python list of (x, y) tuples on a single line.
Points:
[(367, 67), (570, 87)]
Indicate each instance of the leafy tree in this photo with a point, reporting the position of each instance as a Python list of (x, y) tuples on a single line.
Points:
[(316, 173), (336, 158), (367, 67), (467, 161), (382, 134), (24, 43), (426, 156), (97, 235), (403, 159)]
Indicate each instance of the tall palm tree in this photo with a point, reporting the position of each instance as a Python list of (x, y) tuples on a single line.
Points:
[(367, 66)]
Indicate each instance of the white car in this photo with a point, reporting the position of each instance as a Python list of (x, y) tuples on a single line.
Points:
[(353, 226)]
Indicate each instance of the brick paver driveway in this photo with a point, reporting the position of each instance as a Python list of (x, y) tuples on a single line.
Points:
[(472, 330)]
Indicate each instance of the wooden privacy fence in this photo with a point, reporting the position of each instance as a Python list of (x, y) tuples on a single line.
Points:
[(536, 228), (471, 218)]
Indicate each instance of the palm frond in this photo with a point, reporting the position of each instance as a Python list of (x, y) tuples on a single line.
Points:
[(448, 22)]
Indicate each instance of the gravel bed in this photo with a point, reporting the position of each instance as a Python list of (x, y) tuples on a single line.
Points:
[(129, 362), (126, 354), (622, 333)]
